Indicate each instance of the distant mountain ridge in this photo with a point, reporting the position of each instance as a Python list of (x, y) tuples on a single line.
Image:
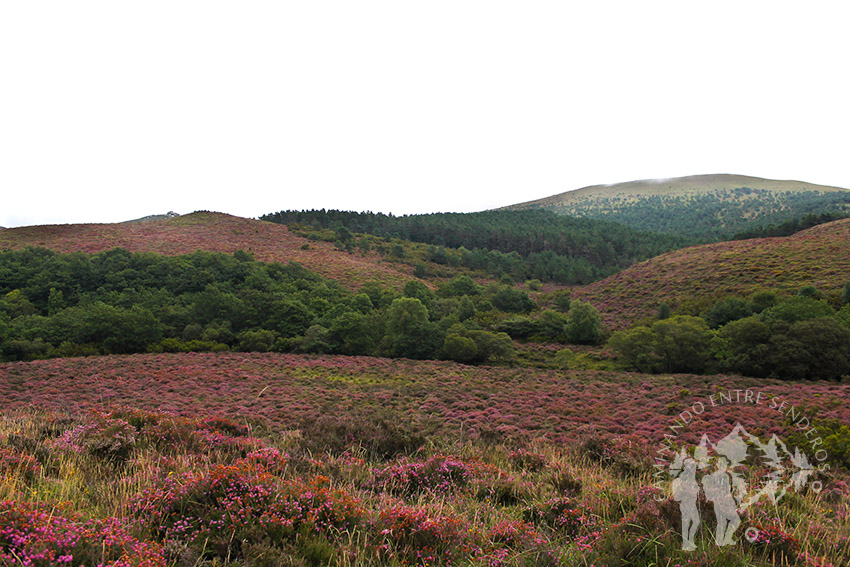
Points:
[(710, 207)]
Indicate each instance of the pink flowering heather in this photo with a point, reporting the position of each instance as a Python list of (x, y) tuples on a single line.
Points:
[(561, 515), (515, 534), (220, 506), (773, 541), (439, 474), (35, 535), (268, 459), (16, 464), (415, 536), (528, 460), (104, 436), (518, 405)]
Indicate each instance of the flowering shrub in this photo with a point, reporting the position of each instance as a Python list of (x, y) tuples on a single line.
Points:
[(164, 432), (560, 514), (774, 542), (242, 497), (565, 482), (220, 507), (438, 474), (526, 460), (515, 535), (412, 535), (39, 536), (104, 437), (18, 465), (836, 491), (498, 486), (628, 455), (654, 510), (327, 509), (117, 433), (268, 459)]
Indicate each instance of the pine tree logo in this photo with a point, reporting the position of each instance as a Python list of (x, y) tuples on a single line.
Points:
[(716, 470)]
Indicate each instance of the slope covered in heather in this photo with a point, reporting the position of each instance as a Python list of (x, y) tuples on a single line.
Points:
[(213, 232), (251, 459), (709, 207), (695, 276), (289, 390)]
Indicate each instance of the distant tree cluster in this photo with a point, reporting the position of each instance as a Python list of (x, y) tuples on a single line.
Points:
[(118, 302), (717, 216), (799, 337), (791, 226), (522, 244)]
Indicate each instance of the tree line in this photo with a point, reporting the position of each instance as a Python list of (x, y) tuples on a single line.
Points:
[(118, 302), (791, 226), (805, 336), (523, 244)]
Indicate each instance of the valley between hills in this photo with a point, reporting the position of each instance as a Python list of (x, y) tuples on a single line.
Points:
[(510, 387)]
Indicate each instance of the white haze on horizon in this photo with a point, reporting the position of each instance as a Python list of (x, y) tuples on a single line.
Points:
[(111, 111)]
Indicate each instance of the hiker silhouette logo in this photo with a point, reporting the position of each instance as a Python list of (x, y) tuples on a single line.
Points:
[(723, 472)]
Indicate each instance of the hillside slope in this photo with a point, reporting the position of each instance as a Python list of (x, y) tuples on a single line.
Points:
[(215, 457), (819, 256), (521, 244), (148, 218), (707, 206), (214, 232)]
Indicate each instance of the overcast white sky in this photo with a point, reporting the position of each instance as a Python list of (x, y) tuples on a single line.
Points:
[(113, 110)]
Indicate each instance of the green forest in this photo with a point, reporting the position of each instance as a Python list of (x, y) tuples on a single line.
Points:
[(791, 226), (522, 244), (119, 302), (716, 216), (804, 336)]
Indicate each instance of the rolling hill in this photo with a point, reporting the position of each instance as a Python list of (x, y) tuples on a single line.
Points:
[(168, 215), (819, 256), (214, 232), (710, 207)]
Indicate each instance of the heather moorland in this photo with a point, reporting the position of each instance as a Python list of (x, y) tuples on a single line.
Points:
[(167, 405), (694, 277), (275, 459)]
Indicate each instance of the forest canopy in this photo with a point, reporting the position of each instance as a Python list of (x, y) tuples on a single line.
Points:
[(523, 244), (119, 302)]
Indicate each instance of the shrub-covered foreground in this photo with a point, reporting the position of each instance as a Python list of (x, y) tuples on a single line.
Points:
[(283, 460)]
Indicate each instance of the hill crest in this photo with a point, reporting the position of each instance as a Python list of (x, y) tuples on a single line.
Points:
[(213, 232), (703, 207), (818, 256), (675, 186), (168, 215)]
